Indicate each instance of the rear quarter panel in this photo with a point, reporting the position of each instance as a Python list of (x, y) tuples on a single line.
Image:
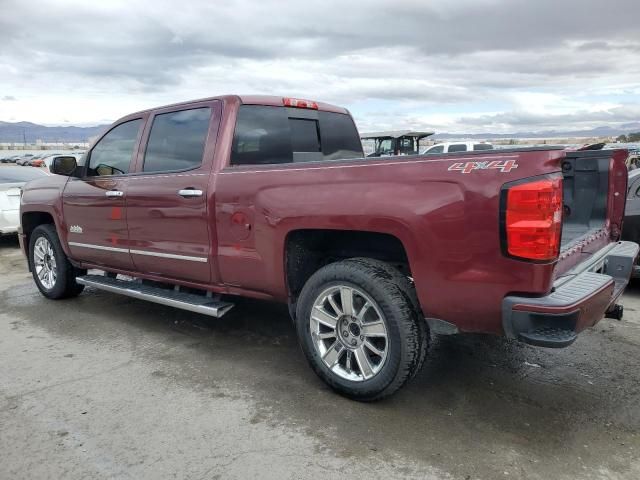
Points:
[(447, 220)]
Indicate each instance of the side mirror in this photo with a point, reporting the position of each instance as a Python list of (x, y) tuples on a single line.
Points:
[(64, 165)]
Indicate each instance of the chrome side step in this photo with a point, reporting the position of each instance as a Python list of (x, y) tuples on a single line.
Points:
[(172, 298)]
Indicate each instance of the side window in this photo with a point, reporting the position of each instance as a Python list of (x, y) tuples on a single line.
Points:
[(458, 147), (482, 146), (177, 140), (112, 154), (386, 146), (406, 146), (435, 149)]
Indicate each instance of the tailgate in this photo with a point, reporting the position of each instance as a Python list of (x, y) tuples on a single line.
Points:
[(594, 188)]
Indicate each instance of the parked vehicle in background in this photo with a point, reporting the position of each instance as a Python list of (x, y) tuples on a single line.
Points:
[(36, 160), (631, 228), (41, 160), (402, 142), (9, 159), (12, 179), (452, 147), (24, 159), (271, 198)]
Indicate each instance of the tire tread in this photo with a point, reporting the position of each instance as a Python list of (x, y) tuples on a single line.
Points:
[(400, 294)]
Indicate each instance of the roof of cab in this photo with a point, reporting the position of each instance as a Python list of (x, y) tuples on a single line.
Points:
[(269, 100)]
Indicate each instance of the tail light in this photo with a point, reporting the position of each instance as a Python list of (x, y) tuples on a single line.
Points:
[(532, 219), (299, 103)]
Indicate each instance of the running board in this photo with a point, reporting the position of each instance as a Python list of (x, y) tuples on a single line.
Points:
[(172, 298)]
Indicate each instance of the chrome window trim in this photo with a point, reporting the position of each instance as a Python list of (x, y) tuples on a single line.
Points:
[(169, 255)]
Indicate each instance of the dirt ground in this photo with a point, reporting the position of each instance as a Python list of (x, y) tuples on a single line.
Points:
[(104, 386)]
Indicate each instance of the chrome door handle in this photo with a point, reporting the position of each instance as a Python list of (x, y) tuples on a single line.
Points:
[(190, 192), (114, 193)]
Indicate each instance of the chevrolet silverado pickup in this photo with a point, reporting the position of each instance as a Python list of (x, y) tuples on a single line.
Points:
[(189, 205)]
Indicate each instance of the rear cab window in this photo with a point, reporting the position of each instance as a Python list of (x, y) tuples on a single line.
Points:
[(482, 146), (275, 135)]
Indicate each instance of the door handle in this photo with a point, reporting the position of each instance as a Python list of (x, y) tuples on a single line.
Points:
[(190, 192), (114, 193)]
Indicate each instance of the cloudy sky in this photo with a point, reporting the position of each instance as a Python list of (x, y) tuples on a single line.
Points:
[(451, 65)]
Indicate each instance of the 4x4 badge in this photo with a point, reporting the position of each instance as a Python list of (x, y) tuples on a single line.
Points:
[(504, 166), (75, 229)]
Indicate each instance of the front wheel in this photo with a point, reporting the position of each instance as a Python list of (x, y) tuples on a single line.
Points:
[(54, 275), (359, 328)]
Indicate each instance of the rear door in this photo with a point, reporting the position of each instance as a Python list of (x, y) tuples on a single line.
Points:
[(168, 198), (94, 206), (270, 135)]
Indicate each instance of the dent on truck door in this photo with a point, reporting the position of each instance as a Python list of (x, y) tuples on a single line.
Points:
[(167, 200), (94, 206)]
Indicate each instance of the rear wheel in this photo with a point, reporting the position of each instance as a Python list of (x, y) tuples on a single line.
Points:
[(359, 328), (54, 275)]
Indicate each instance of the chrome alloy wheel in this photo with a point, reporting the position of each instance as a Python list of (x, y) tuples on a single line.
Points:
[(44, 262), (349, 333)]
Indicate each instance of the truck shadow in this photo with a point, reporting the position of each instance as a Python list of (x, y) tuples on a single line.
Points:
[(8, 242)]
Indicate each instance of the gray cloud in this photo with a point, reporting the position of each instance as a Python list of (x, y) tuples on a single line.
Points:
[(629, 113), (429, 53)]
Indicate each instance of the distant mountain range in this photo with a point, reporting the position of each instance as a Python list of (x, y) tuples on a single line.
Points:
[(594, 132), (30, 132)]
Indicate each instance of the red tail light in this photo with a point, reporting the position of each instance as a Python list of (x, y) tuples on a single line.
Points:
[(533, 219), (299, 103)]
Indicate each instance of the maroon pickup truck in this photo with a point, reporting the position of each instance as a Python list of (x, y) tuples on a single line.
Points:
[(192, 204)]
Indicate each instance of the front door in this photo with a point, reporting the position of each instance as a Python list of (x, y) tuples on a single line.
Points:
[(168, 196), (95, 205)]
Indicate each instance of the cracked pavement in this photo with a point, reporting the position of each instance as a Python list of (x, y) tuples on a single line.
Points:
[(104, 386)]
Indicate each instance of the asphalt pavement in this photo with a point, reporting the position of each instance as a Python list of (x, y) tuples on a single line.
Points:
[(104, 386)]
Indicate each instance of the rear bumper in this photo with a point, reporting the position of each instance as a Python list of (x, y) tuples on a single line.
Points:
[(579, 299)]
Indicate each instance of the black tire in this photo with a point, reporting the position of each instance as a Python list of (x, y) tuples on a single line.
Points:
[(407, 331), (65, 285)]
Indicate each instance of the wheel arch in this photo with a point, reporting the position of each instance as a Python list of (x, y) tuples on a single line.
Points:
[(29, 220), (307, 250)]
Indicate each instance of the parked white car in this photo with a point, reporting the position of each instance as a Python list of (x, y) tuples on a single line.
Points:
[(12, 179), (450, 147)]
